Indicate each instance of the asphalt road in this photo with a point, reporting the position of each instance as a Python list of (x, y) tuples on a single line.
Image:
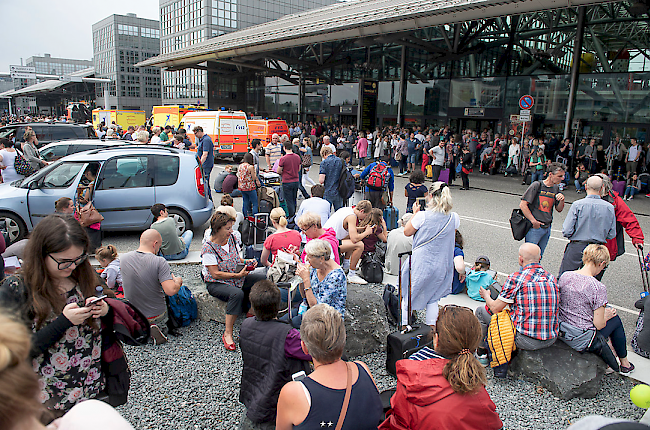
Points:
[(484, 212)]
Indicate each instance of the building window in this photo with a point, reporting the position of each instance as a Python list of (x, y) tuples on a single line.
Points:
[(224, 13), (129, 30)]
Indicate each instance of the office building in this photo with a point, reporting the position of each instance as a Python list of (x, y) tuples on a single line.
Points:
[(47, 65), (188, 22), (119, 42)]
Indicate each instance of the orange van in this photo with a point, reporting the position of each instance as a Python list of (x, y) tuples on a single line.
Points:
[(263, 129), (227, 129)]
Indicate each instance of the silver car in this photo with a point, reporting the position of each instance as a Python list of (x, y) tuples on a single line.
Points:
[(129, 181)]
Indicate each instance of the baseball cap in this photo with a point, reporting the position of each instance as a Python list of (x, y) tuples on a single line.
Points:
[(482, 259)]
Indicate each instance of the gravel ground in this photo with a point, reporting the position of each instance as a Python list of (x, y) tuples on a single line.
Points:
[(192, 383)]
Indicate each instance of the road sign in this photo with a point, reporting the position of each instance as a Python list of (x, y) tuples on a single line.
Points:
[(524, 118), (526, 102), (524, 112), (22, 72), (514, 118)]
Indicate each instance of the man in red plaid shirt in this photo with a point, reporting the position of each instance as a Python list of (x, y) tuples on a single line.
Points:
[(533, 296)]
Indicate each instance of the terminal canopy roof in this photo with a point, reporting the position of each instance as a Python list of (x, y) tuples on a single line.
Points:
[(50, 85)]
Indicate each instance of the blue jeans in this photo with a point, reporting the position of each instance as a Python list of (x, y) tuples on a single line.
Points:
[(187, 239), (539, 236), (631, 191), (614, 331), (249, 199), (290, 191), (362, 161), (578, 186), (335, 200), (537, 175)]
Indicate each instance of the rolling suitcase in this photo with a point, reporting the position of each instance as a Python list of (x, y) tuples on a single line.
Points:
[(391, 215), (444, 175), (410, 339), (619, 187)]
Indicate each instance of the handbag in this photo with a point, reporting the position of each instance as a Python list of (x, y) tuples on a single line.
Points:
[(519, 224), (372, 270), (398, 156), (305, 160), (281, 271), (88, 215), (577, 338), (22, 166)]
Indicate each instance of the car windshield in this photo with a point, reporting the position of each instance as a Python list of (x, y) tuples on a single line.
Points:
[(62, 176)]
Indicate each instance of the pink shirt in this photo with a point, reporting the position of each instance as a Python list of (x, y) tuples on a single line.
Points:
[(362, 147)]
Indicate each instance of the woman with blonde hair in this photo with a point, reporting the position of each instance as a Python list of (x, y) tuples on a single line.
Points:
[(432, 260), (30, 151), (444, 387), (284, 238), (586, 322)]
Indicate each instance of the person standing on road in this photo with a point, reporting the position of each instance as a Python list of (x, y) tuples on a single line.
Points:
[(437, 154), (329, 174), (379, 179), (538, 202), (590, 157), (289, 167), (205, 152), (256, 146), (247, 183), (633, 155), (590, 220), (273, 151)]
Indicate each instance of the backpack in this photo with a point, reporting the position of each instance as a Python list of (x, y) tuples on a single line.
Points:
[(372, 270), (183, 306), (391, 302), (346, 183), (378, 177)]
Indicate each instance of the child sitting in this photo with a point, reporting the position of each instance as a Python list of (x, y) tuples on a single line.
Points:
[(107, 258), (379, 230), (479, 277), (458, 284)]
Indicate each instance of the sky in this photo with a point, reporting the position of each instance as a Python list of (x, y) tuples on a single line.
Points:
[(62, 29)]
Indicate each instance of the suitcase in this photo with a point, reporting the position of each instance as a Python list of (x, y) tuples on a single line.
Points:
[(410, 339), (357, 196), (391, 215), (619, 187), (444, 175)]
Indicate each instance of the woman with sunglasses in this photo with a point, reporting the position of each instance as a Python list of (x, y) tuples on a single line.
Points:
[(444, 387), (432, 261), (52, 294)]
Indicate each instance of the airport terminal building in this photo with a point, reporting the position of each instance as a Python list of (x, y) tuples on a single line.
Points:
[(463, 63)]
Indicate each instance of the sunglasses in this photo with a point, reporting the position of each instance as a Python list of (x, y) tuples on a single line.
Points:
[(65, 264)]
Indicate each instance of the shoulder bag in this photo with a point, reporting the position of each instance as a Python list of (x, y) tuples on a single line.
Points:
[(21, 165), (577, 338), (346, 399), (88, 215)]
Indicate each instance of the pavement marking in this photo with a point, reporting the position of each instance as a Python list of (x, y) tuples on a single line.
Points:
[(494, 223)]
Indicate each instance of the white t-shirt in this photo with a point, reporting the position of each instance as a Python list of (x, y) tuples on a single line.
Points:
[(418, 220), (336, 222), (330, 146), (9, 174), (317, 205), (632, 153), (156, 139)]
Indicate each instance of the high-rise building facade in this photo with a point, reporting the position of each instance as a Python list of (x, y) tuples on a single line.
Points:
[(47, 65), (119, 42), (186, 22)]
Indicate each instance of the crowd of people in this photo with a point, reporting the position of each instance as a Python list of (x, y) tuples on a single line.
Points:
[(75, 335)]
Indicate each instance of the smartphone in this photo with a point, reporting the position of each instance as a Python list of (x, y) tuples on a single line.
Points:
[(422, 202), (96, 299), (299, 376)]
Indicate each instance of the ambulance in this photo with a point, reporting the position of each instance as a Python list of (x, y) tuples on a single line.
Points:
[(227, 129), (263, 129), (172, 115), (123, 118)]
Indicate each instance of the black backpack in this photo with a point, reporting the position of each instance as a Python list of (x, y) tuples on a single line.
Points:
[(391, 301), (346, 183), (372, 270)]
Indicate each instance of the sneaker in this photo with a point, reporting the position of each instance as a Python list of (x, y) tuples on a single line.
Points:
[(346, 265), (353, 278), (483, 359), (626, 370), (157, 335), (647, 195)]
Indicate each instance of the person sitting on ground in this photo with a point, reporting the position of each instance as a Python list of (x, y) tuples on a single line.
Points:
[(318, 398), (310, 224), (458, 285), (285, 239), (444, 387), (396, 244), (479, 277), (20, 389), (633, 187), (323, 281), (64, 205), (533, 295), (173, 247), (108, 258), (146, 279), (271, 353), (316, 204), (221, 176), (415, 189), (379, 230), (583, 309), (230, 183), (344, 222), (227, 276)]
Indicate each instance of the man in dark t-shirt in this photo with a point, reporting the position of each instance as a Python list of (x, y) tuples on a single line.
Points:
[(289, 169), (538, 202)]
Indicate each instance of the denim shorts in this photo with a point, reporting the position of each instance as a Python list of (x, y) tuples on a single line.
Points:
[(412, 158)]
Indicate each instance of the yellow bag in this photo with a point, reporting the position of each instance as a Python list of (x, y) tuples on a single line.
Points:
[(429, 170), (501, 338)]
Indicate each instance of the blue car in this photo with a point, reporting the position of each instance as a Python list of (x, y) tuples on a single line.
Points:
[(129, 180)]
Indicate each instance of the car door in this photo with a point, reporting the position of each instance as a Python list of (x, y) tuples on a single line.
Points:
[(124, 192), (60, 181)]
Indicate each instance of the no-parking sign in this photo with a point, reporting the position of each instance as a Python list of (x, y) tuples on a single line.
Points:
[(526, 102)]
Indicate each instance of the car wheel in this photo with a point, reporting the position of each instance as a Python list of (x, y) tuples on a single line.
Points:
[(15, 226), (182, 220), (238, 159)]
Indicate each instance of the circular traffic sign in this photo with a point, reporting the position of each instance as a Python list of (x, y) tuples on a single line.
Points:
[(526, 102)]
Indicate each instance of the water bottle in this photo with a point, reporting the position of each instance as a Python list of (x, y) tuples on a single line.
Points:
[(303, 307)]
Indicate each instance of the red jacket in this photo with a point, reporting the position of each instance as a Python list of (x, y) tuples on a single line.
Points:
[(424, 400), (626, 218)]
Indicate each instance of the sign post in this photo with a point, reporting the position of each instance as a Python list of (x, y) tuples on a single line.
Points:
[(22, 72), (526, 102)]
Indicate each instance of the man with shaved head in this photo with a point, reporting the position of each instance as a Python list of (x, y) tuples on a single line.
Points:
[(590, 220), (146, 279), (533, 296)]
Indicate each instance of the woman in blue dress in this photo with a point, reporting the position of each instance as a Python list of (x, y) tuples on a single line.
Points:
[(433, 230)]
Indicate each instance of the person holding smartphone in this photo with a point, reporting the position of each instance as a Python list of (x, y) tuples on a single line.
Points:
[(52, 294), (415, 190)]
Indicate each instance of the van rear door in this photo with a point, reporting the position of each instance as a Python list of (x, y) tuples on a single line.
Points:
[(225, 133)]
